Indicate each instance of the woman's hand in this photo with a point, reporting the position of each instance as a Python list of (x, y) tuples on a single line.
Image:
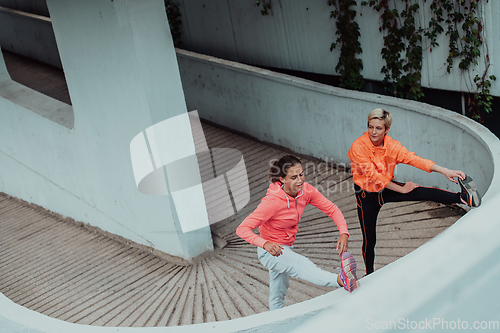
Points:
[(450, 174), (273, 248), (342, 244), (407, 188)]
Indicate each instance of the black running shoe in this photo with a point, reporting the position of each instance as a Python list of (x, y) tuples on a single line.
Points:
[(469, 194)]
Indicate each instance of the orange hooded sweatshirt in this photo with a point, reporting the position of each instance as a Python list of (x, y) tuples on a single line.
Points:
[(372, 168), (278, 215)]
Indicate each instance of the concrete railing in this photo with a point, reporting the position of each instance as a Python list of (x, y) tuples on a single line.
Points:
[(29, 34), (448, 278), (322, 121)]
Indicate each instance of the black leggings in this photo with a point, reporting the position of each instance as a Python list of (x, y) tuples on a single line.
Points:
[(369, 204)]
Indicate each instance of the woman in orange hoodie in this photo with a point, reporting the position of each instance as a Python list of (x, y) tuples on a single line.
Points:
[(277, 218), (373, 157)]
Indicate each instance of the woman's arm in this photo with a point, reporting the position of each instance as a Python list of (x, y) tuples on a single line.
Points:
[(410, 186), (260, 215), (407, 188), (329, 208), (450, 174)]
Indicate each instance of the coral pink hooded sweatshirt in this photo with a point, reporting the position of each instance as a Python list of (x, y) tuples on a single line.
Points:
[(278, 215)]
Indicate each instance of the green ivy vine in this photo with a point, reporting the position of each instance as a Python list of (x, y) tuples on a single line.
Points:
[(349, 67), (403, 37), (174, 20), (266, 6), (402, 49), (465, 33)]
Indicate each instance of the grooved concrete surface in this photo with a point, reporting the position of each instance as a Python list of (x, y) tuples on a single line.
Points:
[(67, 271)]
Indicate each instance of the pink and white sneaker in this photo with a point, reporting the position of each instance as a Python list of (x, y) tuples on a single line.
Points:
[(348, 272), (469, 194)]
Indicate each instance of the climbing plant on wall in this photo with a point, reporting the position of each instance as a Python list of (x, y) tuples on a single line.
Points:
[(174, 20), (266, 6), (349, 67), (402, 49), (466, 33)]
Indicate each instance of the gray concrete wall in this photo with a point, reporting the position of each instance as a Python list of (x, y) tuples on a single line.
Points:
[(122, 75), (298, 34), (30, 6), (323, 121), (29, 35), (4, 74)]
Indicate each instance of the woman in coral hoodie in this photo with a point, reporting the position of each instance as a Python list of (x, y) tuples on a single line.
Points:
[(277, 218), (374, 155)]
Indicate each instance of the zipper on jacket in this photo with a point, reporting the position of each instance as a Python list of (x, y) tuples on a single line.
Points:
[(297, 204), (297, 210)]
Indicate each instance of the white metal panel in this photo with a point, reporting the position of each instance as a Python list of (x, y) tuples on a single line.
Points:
[(207, 26), (259, 39), (298, 36), (310, 32)]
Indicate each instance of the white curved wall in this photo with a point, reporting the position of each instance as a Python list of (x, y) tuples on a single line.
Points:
[(448, 284), (323, 121)]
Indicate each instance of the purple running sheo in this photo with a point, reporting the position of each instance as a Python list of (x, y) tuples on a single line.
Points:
[(348, 272)]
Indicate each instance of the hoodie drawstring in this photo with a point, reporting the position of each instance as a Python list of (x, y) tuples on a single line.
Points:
[(287, 201), (286, 195)]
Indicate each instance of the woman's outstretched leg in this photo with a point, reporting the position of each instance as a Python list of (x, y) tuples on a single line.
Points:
[(422, 193)]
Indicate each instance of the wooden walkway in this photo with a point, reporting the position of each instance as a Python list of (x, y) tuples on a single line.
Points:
[(45, 79), (67, 271)]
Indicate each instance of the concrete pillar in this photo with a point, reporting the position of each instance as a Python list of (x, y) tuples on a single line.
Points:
[(4, 74), (122, 74)]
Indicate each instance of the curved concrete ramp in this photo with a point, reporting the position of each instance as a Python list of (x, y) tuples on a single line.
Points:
[(99, 281), (69, 272), (449, 284)]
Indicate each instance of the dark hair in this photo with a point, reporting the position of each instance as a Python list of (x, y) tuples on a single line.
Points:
[(279, 167)]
